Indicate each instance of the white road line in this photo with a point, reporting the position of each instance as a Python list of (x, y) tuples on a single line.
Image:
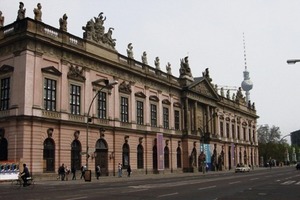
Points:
[(297, 183), (288, 182), (234, 182), (135, 191), (252, 179), (165, 195), (75, 198), (205, 188)]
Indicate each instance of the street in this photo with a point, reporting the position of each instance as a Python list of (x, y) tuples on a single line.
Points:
[(277, 183)]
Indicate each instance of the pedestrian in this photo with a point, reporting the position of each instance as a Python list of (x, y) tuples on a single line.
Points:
[(73, 170), (61, 172), (128, 171), (67, 172), (98, 172), (83, 168), (119, 170)]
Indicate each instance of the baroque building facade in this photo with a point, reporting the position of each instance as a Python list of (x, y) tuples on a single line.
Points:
[(77, 101)]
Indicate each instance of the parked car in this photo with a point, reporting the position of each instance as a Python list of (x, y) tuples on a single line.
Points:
[(242, 168), (298, 166)]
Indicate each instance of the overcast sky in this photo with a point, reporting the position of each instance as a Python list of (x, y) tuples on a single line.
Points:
[(210, 33)]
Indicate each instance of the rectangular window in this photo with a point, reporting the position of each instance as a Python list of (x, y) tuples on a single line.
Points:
[(166, 117), (4, 99), (124, 109), (177, 120), (153, 115), (102, 105), (238, 132), (75, 99), (227, 130), (233, 131), (244, 133), (49, 94), (221, 129), (140, 112)]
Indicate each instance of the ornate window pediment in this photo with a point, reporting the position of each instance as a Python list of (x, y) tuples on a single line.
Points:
[(76, 74), (177, 104), (166, 101), (51, 70), (140, 94), (125, 88), (6, 69), (154, 98)]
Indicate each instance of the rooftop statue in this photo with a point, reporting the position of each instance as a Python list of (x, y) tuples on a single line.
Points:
[(63, 23), (168, 68), (129, 50), (1, 20), (185, 69), (206, 75), (38, 12), (144, 58), (95, 31), (156, 63), (21, 11)]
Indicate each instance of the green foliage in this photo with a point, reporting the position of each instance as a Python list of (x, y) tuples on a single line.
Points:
[(269, 143)]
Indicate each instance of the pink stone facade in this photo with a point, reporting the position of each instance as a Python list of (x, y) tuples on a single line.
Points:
[(32, 53)]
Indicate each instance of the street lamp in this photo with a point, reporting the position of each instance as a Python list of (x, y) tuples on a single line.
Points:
[(292, 61), (108, 84)]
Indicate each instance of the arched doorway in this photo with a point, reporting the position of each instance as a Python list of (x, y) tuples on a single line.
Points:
[(178, 157), (166, 157), (125, 156), (3, 149), (75, 154), (101, 157), (140, 157), (154, 157), (49, 155)]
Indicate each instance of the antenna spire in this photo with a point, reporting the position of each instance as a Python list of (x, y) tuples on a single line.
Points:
[(245, 60)]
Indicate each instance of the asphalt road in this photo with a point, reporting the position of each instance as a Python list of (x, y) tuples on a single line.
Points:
[(278, 183)]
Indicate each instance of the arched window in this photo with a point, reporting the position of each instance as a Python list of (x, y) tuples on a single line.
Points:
[(75, 154), (166, 157), (140, 157), (125, 157), (178, 157), (3, 149), (49, 155)]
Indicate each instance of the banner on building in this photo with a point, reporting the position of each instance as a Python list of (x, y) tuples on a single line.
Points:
[(206, 150), (160, 151)]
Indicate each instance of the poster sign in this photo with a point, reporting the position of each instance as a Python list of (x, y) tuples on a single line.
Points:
[(9, 170), (160, 151), (206, 150)]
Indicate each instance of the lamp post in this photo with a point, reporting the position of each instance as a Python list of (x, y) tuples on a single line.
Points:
[(292, 61), (107, 85)]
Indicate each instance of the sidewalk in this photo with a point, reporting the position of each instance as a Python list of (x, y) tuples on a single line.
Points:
[(132, 177)]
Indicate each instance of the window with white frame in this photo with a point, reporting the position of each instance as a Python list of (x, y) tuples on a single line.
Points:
[(49, 94), (5, 92), (75, 99)]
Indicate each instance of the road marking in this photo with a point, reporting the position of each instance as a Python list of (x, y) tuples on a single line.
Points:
[(288, 182), (298, 183), (77, 198), (234, 182), (252, 179), (165, 195), (135, 191), (205, 188)]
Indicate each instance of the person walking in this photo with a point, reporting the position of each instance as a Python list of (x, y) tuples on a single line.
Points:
[(128, 171), (83, 168), (98, 172), (61, 172), (73, 171), (119, 170), (67, 172)]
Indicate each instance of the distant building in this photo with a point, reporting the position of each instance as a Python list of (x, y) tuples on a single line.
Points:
[(295, 138), (56, 107)]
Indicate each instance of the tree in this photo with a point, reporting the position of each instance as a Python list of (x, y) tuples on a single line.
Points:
[(269, 143)]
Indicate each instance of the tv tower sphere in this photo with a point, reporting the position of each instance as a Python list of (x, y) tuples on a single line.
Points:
[(247, 84)]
